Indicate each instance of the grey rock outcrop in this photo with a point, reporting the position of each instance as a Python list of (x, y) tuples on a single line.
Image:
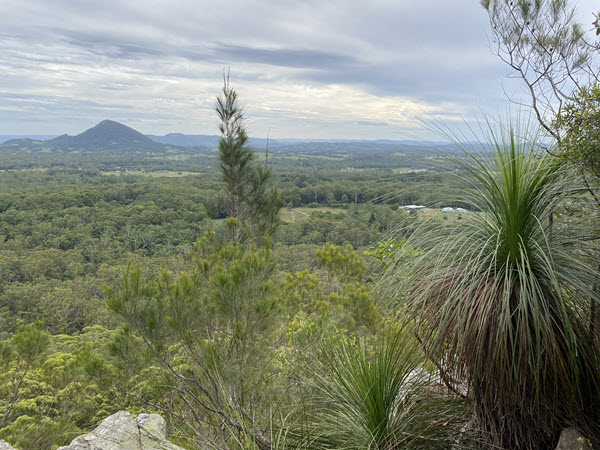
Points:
[(5, 445), (122, 432), (571, 439)]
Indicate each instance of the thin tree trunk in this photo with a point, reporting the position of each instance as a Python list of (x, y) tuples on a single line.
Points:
[(594, 325)]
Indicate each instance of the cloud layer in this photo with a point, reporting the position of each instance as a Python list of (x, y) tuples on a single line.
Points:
[(320, 69)]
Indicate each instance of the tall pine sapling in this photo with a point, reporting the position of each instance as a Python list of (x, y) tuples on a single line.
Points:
[(234, 154), (253, 203)]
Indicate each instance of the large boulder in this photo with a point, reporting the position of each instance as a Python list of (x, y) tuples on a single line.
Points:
[(572, 439), (5, 445), (122, 432)]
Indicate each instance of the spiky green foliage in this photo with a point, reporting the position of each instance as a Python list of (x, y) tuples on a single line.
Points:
[(504, 297), (377, 398)]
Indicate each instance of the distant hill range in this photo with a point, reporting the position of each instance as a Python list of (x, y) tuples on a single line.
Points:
[(307, 145), (114, 137), (205, 140), (33, 137)]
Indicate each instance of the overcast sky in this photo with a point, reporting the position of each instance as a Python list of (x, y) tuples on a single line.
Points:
[(303, 68)]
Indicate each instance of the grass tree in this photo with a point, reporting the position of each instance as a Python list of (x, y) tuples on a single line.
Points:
[(502, 298), (378, 397)]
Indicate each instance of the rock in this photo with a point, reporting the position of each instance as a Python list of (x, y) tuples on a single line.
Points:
[(5, 445), (153, 431), (122, 432), (571, 439)]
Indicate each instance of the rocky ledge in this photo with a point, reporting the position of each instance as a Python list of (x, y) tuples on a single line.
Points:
[(122, 432), (149, 432)]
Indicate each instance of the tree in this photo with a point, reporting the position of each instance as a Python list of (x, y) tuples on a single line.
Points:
[(544, 46), (210, 334), (579, 125), (547, 49), (503, 299), (30, 343), (234, 154), (342, 264), (263, 204), (579, 122), (253, 204)]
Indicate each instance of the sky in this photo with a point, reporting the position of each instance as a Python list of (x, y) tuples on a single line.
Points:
[(339, 69)]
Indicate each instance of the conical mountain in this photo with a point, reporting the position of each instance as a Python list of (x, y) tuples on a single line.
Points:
[(107, 135)]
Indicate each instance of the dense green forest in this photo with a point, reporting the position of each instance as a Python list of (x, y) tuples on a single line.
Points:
[(73, 224), (122, 289)]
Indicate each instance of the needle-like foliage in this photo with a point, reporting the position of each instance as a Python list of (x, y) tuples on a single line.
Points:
[(504, 298), (253, 202), (234, 155)]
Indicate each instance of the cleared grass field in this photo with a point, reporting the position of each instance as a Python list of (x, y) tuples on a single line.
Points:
[(290, 215), (174, 157), (154, 174), (34, 169), (429, 213), (297, 156)]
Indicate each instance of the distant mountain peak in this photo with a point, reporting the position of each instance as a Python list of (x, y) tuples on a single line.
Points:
[(107, 135), (107, 123), (111, 126)]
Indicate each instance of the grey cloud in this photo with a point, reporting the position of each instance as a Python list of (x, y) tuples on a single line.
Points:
[(339, 47), (109, 45), (424, 50), (57, 104), (115, 87), (287, 57), (215, 52), (38, 112)]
